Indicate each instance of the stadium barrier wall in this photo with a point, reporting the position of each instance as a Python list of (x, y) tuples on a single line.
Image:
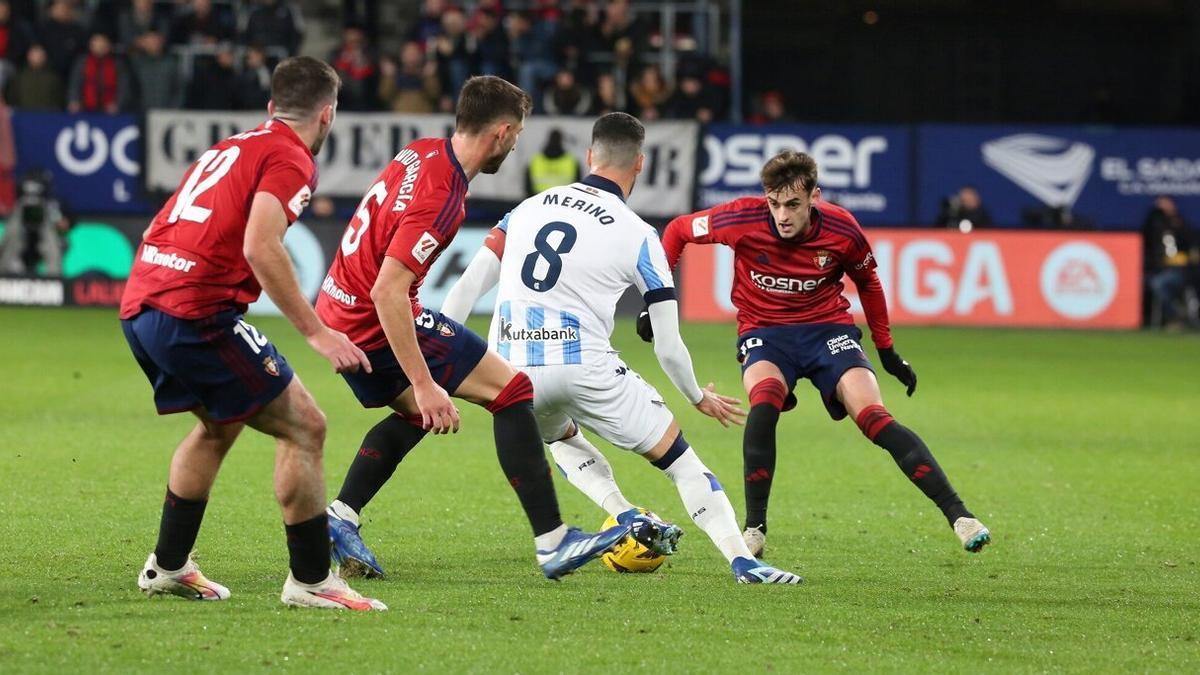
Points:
[(1030, 279)]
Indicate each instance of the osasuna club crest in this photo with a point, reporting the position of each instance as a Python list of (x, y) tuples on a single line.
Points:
[(823, 258), (271, 366)]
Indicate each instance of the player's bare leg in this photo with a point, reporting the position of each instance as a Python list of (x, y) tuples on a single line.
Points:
[(767, 391), (194, 467), (298, 426), (858, 391)]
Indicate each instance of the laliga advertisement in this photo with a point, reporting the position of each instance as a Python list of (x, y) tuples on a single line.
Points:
[(1106, 176), (863, 168), (1032, 279)]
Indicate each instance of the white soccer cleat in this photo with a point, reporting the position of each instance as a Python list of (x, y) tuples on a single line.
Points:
[(756, 541), (972, 533), (186, 582), (333, 593)]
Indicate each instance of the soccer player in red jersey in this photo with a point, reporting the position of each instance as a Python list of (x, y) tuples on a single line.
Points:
[(791, 251), (419, 357), (211, 250)]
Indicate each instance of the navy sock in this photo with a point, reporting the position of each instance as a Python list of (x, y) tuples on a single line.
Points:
[(178, 529)]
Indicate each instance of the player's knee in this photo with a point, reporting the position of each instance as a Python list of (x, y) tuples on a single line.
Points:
[(518, 390), (678, 447), (769, 391), (873, 419)]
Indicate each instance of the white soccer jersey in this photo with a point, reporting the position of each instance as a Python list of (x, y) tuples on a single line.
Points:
[(569, 254)]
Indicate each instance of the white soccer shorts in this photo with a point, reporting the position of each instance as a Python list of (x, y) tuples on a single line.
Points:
[(606, 397)]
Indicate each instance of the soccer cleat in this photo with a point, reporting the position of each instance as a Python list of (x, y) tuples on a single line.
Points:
[(972, 533), (653, 533), (577, 548), (751, 571), (333, 593), (351, 557), (756, 540), (186, 582)]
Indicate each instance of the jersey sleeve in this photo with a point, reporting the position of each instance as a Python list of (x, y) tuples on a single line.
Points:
[(652, 275), (422, 230), (497, 236), (860, 266), (289, 177), (716, 225)]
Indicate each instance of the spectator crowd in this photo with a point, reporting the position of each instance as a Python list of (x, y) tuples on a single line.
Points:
[(575, 57)]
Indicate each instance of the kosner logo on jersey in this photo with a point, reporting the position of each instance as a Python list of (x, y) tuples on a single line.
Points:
[(862, 168), (362, 144)]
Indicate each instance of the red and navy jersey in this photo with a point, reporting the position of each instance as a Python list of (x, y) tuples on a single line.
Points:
[(779, 281), (411, 213), (190, 264)]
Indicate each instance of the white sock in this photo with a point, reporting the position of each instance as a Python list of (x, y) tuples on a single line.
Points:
[(707, 504), (550, 540), (344, 512), (588, 470)]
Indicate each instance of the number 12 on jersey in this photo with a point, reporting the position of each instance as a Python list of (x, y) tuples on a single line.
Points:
[(552, 253)]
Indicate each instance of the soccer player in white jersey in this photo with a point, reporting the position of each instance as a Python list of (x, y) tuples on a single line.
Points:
[(562, 259)]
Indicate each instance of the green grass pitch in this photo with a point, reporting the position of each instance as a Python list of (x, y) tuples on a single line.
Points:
[(1081, 451)]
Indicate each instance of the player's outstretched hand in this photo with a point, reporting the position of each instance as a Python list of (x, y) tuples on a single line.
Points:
[(723, 409), (438, 413), (339, 350), (645, 329), (898, 368)]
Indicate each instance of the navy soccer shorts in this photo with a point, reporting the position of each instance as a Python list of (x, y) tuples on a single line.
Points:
[(219, 363), (450, 350), (822, 353)]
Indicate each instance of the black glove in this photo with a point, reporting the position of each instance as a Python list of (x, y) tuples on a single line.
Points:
[(644, 329), (898, 368)]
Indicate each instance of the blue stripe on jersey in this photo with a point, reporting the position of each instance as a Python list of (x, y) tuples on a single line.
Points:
[(503, 224), (535, 350), (572, 348), (646, 268), (504, 346)]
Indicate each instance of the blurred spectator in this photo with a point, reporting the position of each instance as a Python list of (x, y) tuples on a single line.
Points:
[(491, 44), (34, 233), (609, 97), (620, 23), (566, 97), (770, 108), (16, 35), (36, 86), (355, 63), (139, 18), (531, 52), (552, 166), (99, 82), (964, 211), (693, 99), (576, 38), (1169, 252), (253, 88), (362, 13), (214, 82), (63, 36), (429, 24), (200, 24), (275, 23), (649, 93), (454, 57), (412, 86), (157, 73)]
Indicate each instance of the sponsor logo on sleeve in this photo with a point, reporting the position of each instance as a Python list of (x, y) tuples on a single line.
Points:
[(300, 201), (699, 226), (424, 247)]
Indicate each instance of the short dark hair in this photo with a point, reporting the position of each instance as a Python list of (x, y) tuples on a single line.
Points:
[(617, 139), (301, 85), (789, 168), (485, 99)]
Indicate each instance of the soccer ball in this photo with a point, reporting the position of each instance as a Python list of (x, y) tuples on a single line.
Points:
[(631, 555)]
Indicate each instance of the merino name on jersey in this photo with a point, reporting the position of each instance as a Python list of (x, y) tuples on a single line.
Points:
[(591, 209)]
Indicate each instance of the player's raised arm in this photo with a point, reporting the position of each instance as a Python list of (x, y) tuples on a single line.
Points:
[(480, 276), (269, 260)]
